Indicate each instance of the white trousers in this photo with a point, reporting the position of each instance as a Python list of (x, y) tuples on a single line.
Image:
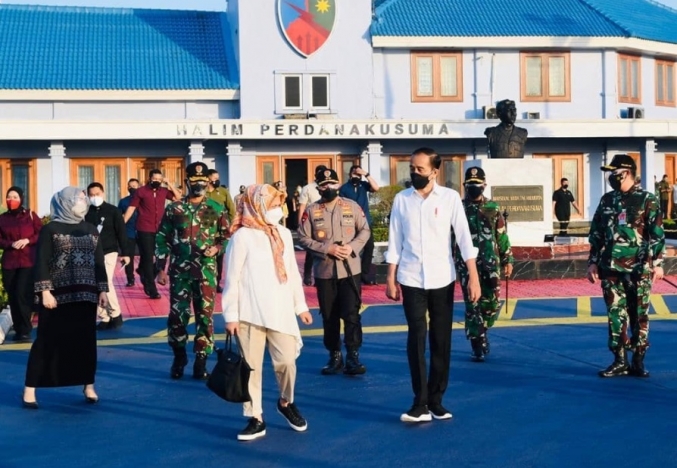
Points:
[(111, 260), (282, 349)]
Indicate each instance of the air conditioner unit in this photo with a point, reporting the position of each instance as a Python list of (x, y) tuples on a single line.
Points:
[(489, 112), (635, 112), (294, 116), (533, 115)]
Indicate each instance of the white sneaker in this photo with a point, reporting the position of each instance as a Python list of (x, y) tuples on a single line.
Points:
[(416, 414)]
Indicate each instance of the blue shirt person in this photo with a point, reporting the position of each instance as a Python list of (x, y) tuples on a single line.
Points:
[(130, 226), (358, 190)]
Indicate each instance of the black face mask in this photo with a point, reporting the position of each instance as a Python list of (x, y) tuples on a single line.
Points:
[(419, 181), (131, 190), (216, 183), (355, 180), (197, 189), (565, 186), (155, 184), (474, 191), (615, 180), (329, 194)]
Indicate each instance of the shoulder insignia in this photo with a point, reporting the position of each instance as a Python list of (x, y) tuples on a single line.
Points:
[(305, 217)]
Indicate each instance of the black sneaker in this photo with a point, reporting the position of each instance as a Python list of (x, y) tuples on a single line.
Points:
[(439, 412), (103, 326), (293, 417), (417, 413), (254, 430)]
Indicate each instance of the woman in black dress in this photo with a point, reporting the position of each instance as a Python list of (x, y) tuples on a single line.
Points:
[(70, 280)]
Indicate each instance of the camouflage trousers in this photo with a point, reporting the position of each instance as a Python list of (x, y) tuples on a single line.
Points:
[(482, 315), (627, 303), (201, 292)]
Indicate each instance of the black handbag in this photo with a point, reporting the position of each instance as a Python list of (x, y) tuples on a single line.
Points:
[(230, 377)]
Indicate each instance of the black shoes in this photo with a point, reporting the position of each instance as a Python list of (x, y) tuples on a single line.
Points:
[(439, 412), (130, 283), (618, 367), (335, 363), (29, 404), (353, 364), (22, 338), (637, 368), (180, 361), (254, 430), (102, 326), (477, 350), (200, 367), (417, 414), (365, 280), (293, 417), (113, 324)]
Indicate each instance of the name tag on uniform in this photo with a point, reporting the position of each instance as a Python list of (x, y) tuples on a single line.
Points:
[(622, 221)]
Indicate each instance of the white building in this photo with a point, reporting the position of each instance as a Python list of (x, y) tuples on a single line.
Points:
[(268, 89)]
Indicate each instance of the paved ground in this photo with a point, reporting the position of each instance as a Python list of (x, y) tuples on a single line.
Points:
[(537, 401)]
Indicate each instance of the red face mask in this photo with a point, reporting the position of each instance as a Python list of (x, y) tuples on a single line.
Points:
[(13, 204)]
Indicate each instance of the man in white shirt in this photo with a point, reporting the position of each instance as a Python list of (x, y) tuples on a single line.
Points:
[(309, 195), (420, 260)]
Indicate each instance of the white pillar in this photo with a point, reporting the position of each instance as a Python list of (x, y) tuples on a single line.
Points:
[(196, 151), (239, 172), (373, 163), (609, 83), (650, 168), (57, 154)]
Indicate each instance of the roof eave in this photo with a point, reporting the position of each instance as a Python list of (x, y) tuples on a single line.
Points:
[(119, 95), (523, 42)]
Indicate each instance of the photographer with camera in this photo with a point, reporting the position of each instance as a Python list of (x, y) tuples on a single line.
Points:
[(335, 230)]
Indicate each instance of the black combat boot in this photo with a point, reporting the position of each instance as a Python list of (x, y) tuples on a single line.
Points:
[(335, 363), (637, 369), (353, 364), (485, 343), (200, 367), (618, 367), (180, 361), (477, 350)]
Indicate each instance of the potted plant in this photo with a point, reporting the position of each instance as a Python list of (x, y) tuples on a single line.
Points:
[(381, 206)]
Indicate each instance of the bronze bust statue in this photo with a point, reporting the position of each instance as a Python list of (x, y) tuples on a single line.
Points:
[(506, 140)]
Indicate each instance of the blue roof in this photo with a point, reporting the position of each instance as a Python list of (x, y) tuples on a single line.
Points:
[(642, 19), (68, 48)]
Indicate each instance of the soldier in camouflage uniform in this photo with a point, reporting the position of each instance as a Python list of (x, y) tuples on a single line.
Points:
[(193, 231), (626, 253), (488, 230)]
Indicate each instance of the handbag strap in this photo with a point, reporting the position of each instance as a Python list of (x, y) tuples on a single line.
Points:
[(229, 344)]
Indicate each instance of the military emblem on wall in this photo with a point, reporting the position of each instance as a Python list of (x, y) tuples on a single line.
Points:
[(306, 24)]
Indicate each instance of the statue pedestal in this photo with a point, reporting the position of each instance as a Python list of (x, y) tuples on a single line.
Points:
[(524, 188)]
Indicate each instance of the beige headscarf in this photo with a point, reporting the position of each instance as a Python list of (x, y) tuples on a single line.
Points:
[(250, 213)]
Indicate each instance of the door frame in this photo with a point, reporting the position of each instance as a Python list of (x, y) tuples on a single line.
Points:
[(278, 160), (557, 175)]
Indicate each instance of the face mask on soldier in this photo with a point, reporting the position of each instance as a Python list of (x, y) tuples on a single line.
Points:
[(616, 180), (197, 189), (474, 190)]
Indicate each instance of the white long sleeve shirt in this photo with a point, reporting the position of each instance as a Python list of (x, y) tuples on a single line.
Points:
[(419, 240), (253, 292)]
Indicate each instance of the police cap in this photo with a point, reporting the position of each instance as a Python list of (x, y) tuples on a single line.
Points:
[(196, 171), (328, 176)]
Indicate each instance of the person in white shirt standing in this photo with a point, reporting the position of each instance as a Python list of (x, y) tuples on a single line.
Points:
[(262, 300), (421, 263), (309, 195)]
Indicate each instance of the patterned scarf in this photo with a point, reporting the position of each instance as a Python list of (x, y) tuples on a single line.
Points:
[(250, 213)]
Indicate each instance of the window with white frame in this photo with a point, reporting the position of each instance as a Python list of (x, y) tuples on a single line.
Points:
[(293, 92), (319, 92)]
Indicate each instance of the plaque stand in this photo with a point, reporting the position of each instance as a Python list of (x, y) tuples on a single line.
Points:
[(524, 188)]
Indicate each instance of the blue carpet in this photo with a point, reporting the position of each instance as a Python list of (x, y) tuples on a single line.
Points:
[(536, 402)]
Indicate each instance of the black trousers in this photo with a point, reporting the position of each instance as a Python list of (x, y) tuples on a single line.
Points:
[(129, 268), (664, 208), (439, 304), (308, 265), (19, 286), (339, 300), (219, 268), (146, 242), (368, 255)]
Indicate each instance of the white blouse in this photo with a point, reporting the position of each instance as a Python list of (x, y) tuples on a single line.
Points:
[(253, 292)]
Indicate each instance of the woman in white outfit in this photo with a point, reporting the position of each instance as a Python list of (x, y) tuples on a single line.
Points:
[(262, 299)]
